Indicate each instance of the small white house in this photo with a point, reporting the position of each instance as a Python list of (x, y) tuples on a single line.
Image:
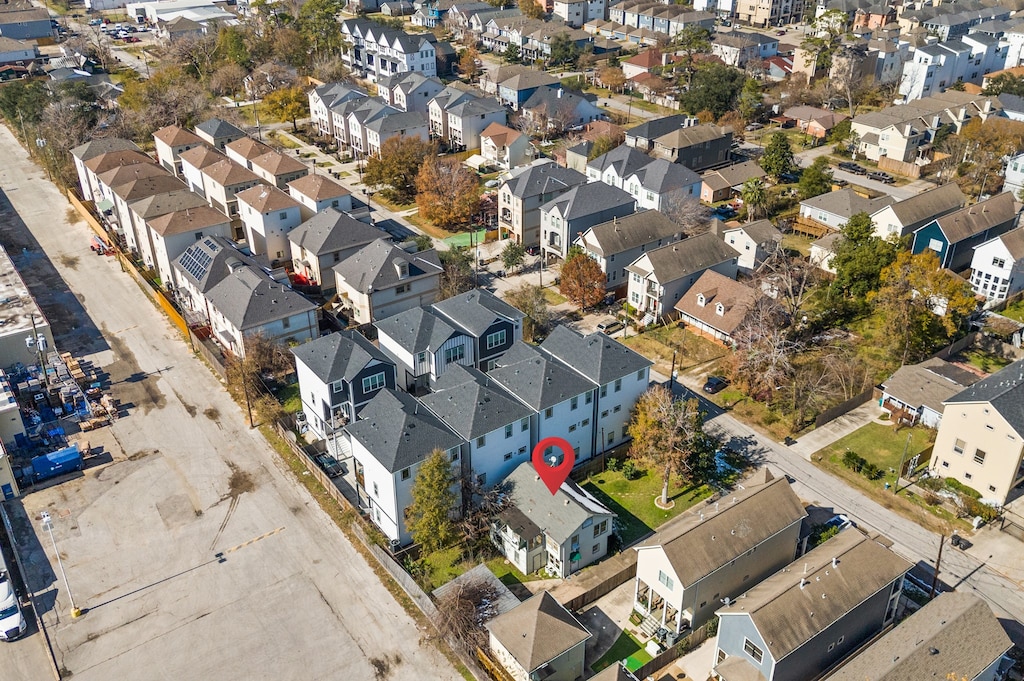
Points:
[(318, 192), (381, 279), (503, 147), (997, 267), (753, 241), (268, 215), (171, 234)]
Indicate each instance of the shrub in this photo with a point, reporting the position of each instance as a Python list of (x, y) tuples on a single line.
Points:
[(931, 498), (963, 489), (770, 418), (870, 471), (934, 484), (613, 464), (712, 626), (854, 461), (630, 471), (973, 507)]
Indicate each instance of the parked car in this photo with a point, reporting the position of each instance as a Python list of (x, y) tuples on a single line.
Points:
[(533, 250), (753, 126), (329, 464), (851, 167), (789, 178), (726, 212), (879, 176), (96, 22), (610, 326), (132, 39), (839, 182), (715, 384)]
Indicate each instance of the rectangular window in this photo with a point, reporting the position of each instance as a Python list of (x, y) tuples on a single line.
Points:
[(495, 339), (375, 382), (401, 288), (755, 653), (600, 528), (508, 456), (508, 431), (336, 386), (968, 476), (998, 262), (282, 216), (588, 398), (618, 384), (604, 391), (574, 403), (572, 428), (597, 547), (958, 446), (585, 423), (522, 450), (455, 354), (640, 375), (979, 456), (481, 441), (617, 408), (376, 490), (549, 412), (524, 425), (406, 473), (666, 580)]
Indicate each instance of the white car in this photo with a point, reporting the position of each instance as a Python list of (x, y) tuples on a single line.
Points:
[(12, 622)]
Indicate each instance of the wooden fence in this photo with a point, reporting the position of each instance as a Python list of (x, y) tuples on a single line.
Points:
[(843, 408), (891, 165), (493, 669), (670, 655), (620, 569), (84, 210)]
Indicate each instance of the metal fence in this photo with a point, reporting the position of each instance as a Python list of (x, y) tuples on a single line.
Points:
[(670, 655)]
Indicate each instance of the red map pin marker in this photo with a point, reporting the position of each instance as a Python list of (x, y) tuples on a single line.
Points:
[(553, 476)]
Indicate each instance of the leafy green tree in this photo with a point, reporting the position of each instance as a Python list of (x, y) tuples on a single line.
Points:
[(231, 46), (564, 50), (840, 132), (750, 100), (910, 291), (1005, 84), (511, 54), (602, 145), (317, 21), (778, 156), (23, 101), (816, 179), (755, 198), (691, 41), (457, 275), (529, 299), (397, 166), (860, 257), (287, 104), (428, 517), (582, 280), (715, 87), (825, 38), (513, 255)]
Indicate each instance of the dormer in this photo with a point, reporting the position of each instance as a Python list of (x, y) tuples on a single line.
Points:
[(701, 300), (402, 267), (720, 309)]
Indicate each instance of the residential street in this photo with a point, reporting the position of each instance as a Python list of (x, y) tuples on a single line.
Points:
[(190, 545), (959, 569)]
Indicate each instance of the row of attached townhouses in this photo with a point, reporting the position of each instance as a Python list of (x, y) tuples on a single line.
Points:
[(456, 376), (375, 51)]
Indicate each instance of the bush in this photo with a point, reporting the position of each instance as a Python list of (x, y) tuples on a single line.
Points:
[(963, 489), (870, 471), (613, 464), (934, 484), (854, 461), (712, 626), (630, 471), (770, 418), (973, 507), (931, 498)]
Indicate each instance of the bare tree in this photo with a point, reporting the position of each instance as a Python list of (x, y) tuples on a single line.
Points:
[(462, 612), (686, 211), (764, 351), (787, 279), (194, 52)]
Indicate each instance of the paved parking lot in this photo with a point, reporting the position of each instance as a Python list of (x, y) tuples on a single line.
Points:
[(180, 480)]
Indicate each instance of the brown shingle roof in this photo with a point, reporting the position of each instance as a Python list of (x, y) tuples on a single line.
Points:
[(265, 198), (501, 135), (248, 148), (114, 159), (278, 164), (140, 188), (787, 616), (188, 220), (736, 299), (201, 157), (227, 173), (537, 631), (173, 136), (687, 137), (1014, 242), (136, 171), (696, 546), (975, 219), (318, 187)]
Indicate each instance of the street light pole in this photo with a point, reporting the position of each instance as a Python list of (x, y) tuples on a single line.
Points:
[(48, 526)]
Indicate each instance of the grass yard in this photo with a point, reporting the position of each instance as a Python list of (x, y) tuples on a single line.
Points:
[(633, 501), (391, 205), (425, 225), (1015, 311), (290, 399), (798, 242), (659, 343), (883, 447), (554, 297), (626, 647), (507, 573), (985, 361), (286, 141)]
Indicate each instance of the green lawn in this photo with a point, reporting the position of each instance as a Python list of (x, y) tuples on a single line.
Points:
[(798, 242), (290, 398), (625, 647), (442, 566), (985, 361), (659, 343), (286, 142), (633, 501), (507, 572), (554, 297), (1015, 311)]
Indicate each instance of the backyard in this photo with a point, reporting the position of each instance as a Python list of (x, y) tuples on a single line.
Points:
[(625, 648), (659, 343)]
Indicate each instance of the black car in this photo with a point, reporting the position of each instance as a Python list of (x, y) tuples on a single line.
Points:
[(789, 178), (715, 384), (851, 167), (533, 250), (329, 464), (879, 176), (726, 212)]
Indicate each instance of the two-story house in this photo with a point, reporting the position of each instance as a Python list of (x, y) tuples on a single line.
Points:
[(561, 398), (521, 196), (381, 279), (316, 193), (504, 148), (904, 217), (726, 182), (493, 324), (325, 97), (323, 241), (268, 215), (738, 49), (642, 137), (660, 277), (754, 242), (568, 215), (980, 441), (423, 345), (514, 91), (494, 425), (392, 436), (997, 267), (218, 133), (806, 618), (539, 639), (697, 147), (561, 532), (717, 552), (663, 186), (337, 375), (954, 235), (556, 109), (615, 166), (622, 375), (831, 211), (170, 141), (717, 306), (170, 234), (619, 242)]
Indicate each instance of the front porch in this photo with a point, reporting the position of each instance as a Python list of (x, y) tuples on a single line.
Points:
[(660, 616)]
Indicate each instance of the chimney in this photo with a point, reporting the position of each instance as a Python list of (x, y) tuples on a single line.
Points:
[(803, 583), (835, 561), (559, 93)]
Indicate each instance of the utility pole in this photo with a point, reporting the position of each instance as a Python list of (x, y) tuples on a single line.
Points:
[(672, 374), (938, 561), (899, 471), (245, 391)]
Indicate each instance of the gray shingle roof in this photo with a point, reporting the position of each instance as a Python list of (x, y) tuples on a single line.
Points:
[(625, 159), (975, 219), (662, 176), (658, 127), (554, 99), (92, 148), (787, 616), (587, 199), (538, 379), (597, 356), (1004, 390), (250, 299), (846, 203), (416, 330), (476, 310), (537, 631), (1014, 242), (338, 356), (397, 123), (166, 202), (331, 230), (954, 634), (929, 204), (560, 514), (209, 260), (376, 265), (683, 258), (216, 128), (398, 431), (543, 179), (471, 404), (929, 383), (623, 234)]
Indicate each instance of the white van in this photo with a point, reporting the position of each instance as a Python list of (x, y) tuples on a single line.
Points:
[(12, 622)]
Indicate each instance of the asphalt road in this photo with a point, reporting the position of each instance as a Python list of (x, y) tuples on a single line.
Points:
[(192, 547), (958, 570)]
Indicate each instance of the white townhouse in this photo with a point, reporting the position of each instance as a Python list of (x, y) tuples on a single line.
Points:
[(172, 233), (323, 241), (278, 169), (338, 374), (503, 147), (360, 117), (833, 210), (663, 186), (494, 425), (243, 151), (619, 242), (141, 211), (170, 142), (223, 180), (85, 152), (316, 193), (392, 436), (193, 162), (381, 279), (754, 242), (268, 215), (409, 90), (615, 166), (933, 68), (382, 128), (124, 194), (468, 119), (997, 267), (1013, 177), (324, 98), (561, 398), (621, 374), (376, 52)]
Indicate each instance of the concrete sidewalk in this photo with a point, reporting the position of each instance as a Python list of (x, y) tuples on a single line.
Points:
[(837, 429)]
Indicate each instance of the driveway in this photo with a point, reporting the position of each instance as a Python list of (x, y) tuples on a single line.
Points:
[(190, 545), (837, 429)]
